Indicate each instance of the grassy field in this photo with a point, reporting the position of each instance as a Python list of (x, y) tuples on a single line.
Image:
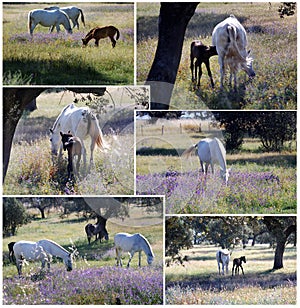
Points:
[(96, 259), (198, 282), (59, 59), (273, 44), (259, 182), (31, 170)]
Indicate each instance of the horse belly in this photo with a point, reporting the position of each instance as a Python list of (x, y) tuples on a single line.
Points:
[(204, 152)]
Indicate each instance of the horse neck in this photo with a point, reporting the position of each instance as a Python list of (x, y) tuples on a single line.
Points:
[(146, 246), (220, 155), (55, 249)]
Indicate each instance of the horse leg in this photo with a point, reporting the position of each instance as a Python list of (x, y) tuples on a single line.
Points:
[(57, 28), (97, 42), (200, 72), (201, 163), (232, 269), (219, 268), (130, 258), (113, 41), (93, 143), (209, 73), (192, 67), (140, 257), (242, 270), (19, 263)]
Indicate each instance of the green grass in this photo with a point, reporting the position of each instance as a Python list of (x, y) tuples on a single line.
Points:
[(62, 60), (198, 282), (273, 44)]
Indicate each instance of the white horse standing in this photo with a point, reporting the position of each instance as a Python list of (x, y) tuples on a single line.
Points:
[(52, 18), (210, 151), (223, 257), (81, 122), (40, 251), (73, 12), (132, 243)]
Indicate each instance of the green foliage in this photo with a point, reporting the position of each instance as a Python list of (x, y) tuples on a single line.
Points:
[(178, 236), (14, 216)]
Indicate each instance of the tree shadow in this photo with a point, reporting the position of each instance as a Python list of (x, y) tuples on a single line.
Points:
[(60, 72), (284, 160)]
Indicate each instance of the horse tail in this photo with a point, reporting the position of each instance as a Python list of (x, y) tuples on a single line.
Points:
[(118, 33), (29, 22), (82, 17), (188, 152), (95, 132)]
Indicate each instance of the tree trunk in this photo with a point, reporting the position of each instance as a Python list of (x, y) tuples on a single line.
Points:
[(173, 20), (278, 259), (14, 102)]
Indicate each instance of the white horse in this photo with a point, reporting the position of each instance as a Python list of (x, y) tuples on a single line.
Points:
[(46, 18), (40, 251), (132, 243), (72, 11), (210, 152), (223, 257), (81, 122)]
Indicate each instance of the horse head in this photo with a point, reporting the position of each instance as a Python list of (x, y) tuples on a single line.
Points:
[(55, 141), (150, 258), (68, 261)]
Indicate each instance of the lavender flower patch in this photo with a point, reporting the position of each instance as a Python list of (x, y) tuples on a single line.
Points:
[(106, 285), (246, 192), (47, 38)]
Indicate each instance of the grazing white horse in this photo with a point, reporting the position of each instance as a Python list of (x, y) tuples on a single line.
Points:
[(52, 18), (81, 122), (72, 11), (40, 251), (210, 151), (132, 243), (230, 39), (223, 257)]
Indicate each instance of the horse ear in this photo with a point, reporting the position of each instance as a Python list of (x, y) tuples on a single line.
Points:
[(61, 133), (51, 130), (69, 132)]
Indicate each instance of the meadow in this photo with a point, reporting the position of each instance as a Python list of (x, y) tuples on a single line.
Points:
[(198, 281), (273, 44), (32, 170), (94, 279), (259, 182), (58, 58)]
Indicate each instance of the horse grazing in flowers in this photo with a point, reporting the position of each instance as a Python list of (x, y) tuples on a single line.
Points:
[(81, 122), (223, 257), (73, 13), (98, 229), (210, 152), (51, 19), (237, 264), (132, 243), (98, 33), (73, 146), (40, 251)]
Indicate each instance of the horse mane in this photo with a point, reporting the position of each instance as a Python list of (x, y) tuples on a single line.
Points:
[(147, 243), (55, 244), (58, 118), (221, 152)]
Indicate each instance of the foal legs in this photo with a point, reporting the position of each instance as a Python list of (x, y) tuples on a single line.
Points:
[(113, 41)]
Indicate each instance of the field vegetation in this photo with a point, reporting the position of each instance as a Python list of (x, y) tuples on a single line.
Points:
[(259, 182), (94, 279), (198, 281), (32, 171), (273, 44), (59, 59)]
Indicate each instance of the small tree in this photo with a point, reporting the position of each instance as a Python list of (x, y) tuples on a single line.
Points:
[(14, 216)]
